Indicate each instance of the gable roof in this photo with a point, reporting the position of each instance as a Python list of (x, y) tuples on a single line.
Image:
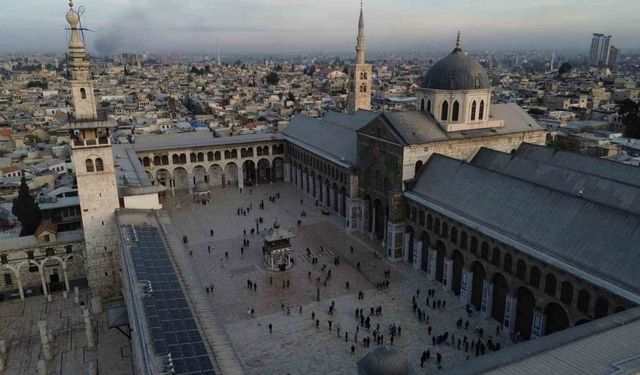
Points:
[(595, 242), (46, 226)]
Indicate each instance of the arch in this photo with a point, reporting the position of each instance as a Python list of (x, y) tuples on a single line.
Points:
[(210, 156), (557, 318), (216, 175), (165, 159), (418, 166), (445, 230), (175, 159), (566, 293), (234, 154), (508, 263), (454, 235), (429, 105), (146, 161), (89, 165), (217, 156), (441, 252), (227, 154), (264, 172), (429, 222), (455, 110), (249, 171), (477, 284), (199, 174), (463, 240), (231, 173), (584, 300), (414, 214), (444, 112), (456, 274), (524, 311), (436, 226), (156, 160), (550, 284), (99, 165), (484, 250), (473, 110), (409, 234), (278, 170), (500, 291), (602, 307), (83, 93), (495, 257), (183, 158), (200, 156), (426, 243), (163, 177), (521, 269), (193, 158), (181, 178), (422, 104), (534, 277)]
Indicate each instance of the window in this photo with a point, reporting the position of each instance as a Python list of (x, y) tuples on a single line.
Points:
[(363, 87), (192, 157), (7, 279), (209, 156), (550, 284), (175, 159), (436, 227), (83, 93), (566, 293), (534, 277), (165, 160), (183, 158), (455, 110), (89, 165), (484, 252), (30, 254), (584, 299), (508, 263), (454, 235), (429, 105), (602, 307), (521, 269), (481, 111), (473, 111), (463, 240), (421, 218), (413, 214), (46, 238), (156, 160), (444, 112), (422, 105), (3, 259), (495, 259), (49, 251), (99, 165), (474, 245), (68, 249), (445, 230)]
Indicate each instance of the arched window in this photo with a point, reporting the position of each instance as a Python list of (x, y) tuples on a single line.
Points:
[(584, 299), (484, 251), (422, 104), (444, 113), (192, 157), (146, 161), (156, 160), (445, 230), (217, 155), (474, 245), (481, 111), (455, 111), (566, 293), (508, 263), (521, 269), (83, 93), (418, 166), (534, 277), (183, 159), (429, 222), (414, 214), (209, 156), (463, 240), (436, 227), (165, 160), (429, 105), (363, 87), (550, 285), (89, 165), (454, 235), (473, 111), (602, 307), (99, 165), (200, 156), (175, 159), (495, 259)]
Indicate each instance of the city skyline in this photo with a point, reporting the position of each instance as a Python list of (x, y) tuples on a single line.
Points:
[(288, 26)]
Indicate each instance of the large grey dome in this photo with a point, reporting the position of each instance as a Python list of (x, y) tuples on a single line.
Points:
[(456, 72), (384, 360)]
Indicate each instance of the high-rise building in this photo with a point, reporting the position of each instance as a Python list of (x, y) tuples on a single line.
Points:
[(360, 97), (599, 55), (614, 54), (94, 168)]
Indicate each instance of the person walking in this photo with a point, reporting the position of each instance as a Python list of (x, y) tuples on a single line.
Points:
[(270, 328)]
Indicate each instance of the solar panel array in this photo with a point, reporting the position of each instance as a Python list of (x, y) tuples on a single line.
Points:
[(173, 328)]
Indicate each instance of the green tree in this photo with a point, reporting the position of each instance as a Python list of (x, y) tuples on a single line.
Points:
[(629, 113), (26, 210), (272, 78)]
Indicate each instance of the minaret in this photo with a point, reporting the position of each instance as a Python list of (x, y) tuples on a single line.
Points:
[(219, 56), (553, 58), (94, 169), (360, 97)]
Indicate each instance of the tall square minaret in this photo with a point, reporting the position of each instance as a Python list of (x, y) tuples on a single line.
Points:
[(360, 97)]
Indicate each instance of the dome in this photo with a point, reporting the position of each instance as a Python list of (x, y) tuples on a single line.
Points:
[(384, 360), (457, 71)]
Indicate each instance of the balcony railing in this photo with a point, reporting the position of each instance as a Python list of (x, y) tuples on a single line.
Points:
[(81, 143)]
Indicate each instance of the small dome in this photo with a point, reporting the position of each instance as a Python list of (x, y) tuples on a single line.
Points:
[(457, 71), (384, 360)]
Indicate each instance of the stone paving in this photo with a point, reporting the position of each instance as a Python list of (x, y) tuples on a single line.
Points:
[(295, 346), (19, 328)]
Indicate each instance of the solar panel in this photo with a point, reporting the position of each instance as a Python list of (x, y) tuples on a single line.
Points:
[(173, 329)]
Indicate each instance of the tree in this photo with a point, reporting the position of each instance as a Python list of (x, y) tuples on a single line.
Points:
[(629, 113), (272, 78), (564, 68), (26, 210)]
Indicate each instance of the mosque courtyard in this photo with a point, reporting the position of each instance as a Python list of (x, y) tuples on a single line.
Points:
[(295, 346)]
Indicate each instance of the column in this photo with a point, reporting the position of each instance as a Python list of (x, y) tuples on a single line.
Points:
[(340, 204), (240, 177), (190, 182), (317, 185), (66, 277), (386, 232), (509, 322), (539, 323), (45, 290), (44, 339), (417, 254), (487, 298), (88, 328), (20, 288), (447, 273), (373, 223), (300, 181), (304, 182), (465, 295), (172, 183), (287, 171), (431, 266)]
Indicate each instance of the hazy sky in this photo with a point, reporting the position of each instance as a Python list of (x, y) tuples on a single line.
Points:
[(249, 26)]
